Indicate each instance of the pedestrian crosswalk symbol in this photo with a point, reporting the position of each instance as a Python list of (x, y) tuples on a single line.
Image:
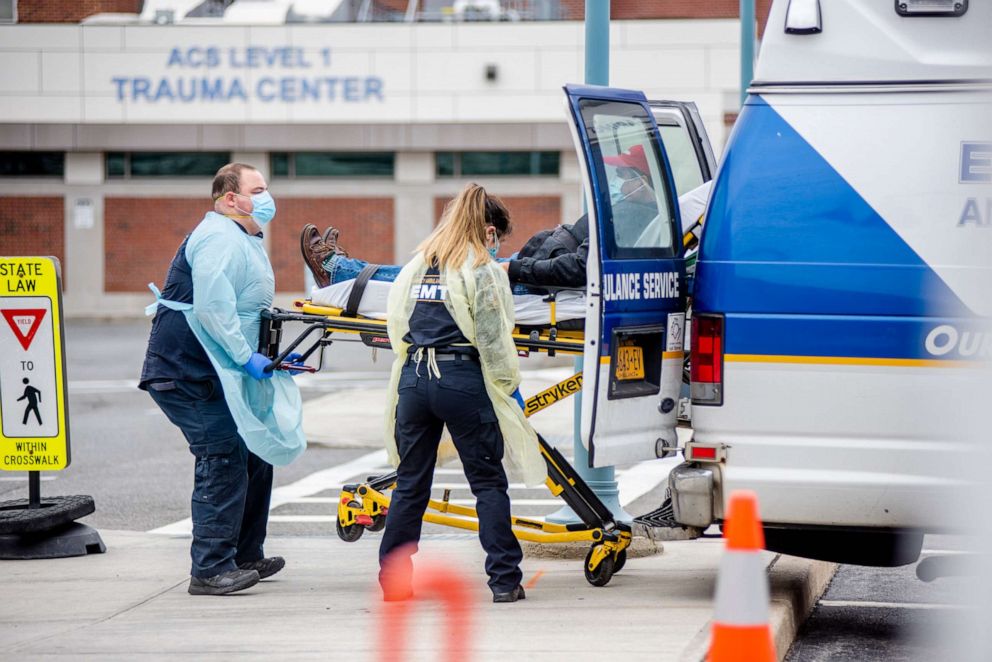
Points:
[(34, 430)]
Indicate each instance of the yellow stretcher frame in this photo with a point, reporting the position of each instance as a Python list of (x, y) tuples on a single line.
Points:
[(365, 505), (548, 339)]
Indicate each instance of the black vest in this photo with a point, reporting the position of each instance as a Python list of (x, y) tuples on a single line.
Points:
[(173, 350), (431, 325)]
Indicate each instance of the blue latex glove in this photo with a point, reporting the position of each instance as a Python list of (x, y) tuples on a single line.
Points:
[(294, 359), (519, 398), (256, 366)]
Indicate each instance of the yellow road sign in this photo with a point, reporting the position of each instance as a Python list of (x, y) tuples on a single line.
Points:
[(34, 422)]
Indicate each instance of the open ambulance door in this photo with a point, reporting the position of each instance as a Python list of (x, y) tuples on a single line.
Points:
[(635, 316)]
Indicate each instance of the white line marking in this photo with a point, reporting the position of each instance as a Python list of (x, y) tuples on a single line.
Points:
[(946, 551), (291, 519), (333, 500), (465, 486), (103, 385), (24, 479), (458, 502), (320, 481), (888, 605), (513, 502)]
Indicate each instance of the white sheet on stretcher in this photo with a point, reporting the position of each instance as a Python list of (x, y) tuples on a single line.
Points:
[(530, 308)]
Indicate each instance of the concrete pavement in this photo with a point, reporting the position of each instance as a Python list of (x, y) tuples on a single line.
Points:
[(132, 602)]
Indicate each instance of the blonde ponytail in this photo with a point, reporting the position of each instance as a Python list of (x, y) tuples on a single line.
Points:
[(463, 226)]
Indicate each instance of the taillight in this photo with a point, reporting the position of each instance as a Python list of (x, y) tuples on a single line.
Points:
[(707, 360)]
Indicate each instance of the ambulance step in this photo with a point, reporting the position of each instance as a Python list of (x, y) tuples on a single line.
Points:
[(660, 524)]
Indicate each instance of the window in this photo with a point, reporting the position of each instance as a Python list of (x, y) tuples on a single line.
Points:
[(681, 155), (624, 147), (8, 11), (332, 164), (165, 164), (32, 164), (477, 164)]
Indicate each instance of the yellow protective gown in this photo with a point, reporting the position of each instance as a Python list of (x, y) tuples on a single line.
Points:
[(481, 303)]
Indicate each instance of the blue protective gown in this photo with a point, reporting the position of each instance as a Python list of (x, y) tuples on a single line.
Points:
[(232, 283)]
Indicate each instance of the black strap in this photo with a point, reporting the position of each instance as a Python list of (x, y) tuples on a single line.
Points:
[(358, 289)]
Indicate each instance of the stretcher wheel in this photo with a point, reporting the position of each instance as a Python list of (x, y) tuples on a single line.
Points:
[(620, 562), (378, 523), (603, 573), (349, 532)]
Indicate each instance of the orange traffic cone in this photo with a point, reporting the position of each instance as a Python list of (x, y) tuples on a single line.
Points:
[(741, 632)]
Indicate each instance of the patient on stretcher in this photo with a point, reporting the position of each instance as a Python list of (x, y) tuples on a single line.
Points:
[(550, 260), (339, 273)]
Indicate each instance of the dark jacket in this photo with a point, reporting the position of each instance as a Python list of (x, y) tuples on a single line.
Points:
[(555, 258)]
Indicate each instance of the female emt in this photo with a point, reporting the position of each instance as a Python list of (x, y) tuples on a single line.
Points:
[(450, 323)]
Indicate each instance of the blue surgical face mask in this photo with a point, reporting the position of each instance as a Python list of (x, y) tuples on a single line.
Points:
[(263, 207), (616, 195), (495, 249)]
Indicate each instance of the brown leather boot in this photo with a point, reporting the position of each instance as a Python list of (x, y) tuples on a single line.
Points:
[(314, 251), (331, 241)]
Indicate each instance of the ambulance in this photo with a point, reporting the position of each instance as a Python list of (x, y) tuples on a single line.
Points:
[(842, 286)]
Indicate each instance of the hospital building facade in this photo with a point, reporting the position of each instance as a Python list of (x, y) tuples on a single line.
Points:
[(114, 115)]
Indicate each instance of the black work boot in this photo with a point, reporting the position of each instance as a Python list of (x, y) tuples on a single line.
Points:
[(266, 567), (510, 596), (224, 583)]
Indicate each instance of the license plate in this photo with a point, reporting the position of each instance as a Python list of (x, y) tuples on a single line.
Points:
[(630, 363)]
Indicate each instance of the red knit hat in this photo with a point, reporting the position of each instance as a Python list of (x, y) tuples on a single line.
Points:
[(632, 158)]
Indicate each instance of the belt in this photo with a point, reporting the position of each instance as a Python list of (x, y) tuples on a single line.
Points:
[(454, 356), (449, 356)]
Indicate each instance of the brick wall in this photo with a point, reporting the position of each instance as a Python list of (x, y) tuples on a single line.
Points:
[(70, 11), (33, 226), (647, 9), (141, 236), (74, 11), (366, 226), (529, 214)]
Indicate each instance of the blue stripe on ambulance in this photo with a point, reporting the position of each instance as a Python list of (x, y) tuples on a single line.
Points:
[(882, 337), (830, 255)]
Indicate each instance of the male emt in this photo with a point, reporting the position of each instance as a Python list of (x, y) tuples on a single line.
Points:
[(219, 282)]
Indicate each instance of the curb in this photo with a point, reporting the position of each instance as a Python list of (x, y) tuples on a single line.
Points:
[(796, 585), (639, 548)]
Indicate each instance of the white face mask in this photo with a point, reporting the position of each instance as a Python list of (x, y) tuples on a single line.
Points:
[(616, 194), (616, 189)]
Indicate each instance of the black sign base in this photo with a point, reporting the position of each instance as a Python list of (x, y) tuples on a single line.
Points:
[(73, 539)]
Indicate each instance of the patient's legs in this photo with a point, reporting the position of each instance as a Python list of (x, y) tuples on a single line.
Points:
[(329, 264), (341, 268)]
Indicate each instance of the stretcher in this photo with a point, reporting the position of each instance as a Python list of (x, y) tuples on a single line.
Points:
[(529, 306), (365, 505), (555, 337)]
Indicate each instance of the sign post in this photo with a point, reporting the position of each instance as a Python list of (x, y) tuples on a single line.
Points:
[(34, 416)]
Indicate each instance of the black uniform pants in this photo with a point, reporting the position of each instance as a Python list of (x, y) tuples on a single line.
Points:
[(231, 485), (459, 400)]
